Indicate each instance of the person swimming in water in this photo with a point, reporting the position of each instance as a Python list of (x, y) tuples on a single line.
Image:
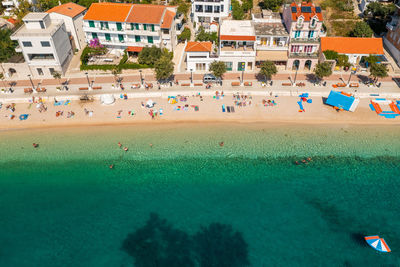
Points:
[(35, 145), (111, 166), (126, 149), (221, 143)]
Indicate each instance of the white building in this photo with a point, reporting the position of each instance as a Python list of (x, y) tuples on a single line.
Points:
[(44, 43), (205, 12), (131, 26), (272, 38), (72, 15), (237, 46), (9, 5), (199, 56)]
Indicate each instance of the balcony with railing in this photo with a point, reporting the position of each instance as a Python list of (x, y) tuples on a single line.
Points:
[(7, 3), (391, 26), (305, 40), (142, 32), (303, 55), (237, 49)]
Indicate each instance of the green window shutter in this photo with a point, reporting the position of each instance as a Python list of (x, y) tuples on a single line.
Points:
[(137, 38), (152, 27), (120, 37), (101, 24), (108, 37), (91, 24), (119, 26), (137, 26), (144, 27), (106, 24), (150, 39), (94, 35), (132, 26)]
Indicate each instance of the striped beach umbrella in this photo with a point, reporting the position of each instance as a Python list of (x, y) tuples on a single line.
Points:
[(377, 243)]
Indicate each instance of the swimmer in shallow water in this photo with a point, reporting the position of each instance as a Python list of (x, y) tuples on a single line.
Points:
[(296, 162), (151, 145), (119, 144), (126, 149), (221, 143), (35, 145), (111, 166), (309, 159)]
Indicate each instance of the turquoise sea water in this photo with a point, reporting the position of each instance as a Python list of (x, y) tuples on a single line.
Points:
[(186, 201)]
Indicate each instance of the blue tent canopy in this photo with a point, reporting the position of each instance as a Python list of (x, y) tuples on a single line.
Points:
[(342, 101)]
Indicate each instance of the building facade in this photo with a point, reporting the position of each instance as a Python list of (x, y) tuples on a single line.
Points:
[(72, 15), (237, 45), (205, 12), (304, 24), (131, 26), (199, 56), (272, 38), (44, 44), (392, 38)]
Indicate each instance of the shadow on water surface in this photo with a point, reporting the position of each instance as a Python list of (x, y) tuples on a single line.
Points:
[(159, 244)]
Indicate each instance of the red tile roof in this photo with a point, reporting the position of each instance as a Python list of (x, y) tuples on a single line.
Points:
[(353, 45), (134, 48), (237, 38), (108, 12), (148, 14), (69, 9), (307, 16), (168, 18), (198, 47)]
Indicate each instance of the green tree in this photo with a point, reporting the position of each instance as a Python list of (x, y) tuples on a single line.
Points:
[(361, 29), (24, 8), (378, 71), (86, 3), (237, 10), (116, 71), (371, 59), (7, 46), (203, 36), (268, 69), (218, 68), (185, 35), (149, 55), (273, 5), (343, 61), (164, 67), (323, 70), (56, 75), (183, 8), (331, 55)]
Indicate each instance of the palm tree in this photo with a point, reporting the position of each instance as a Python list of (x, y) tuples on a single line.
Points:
[(116, 71)]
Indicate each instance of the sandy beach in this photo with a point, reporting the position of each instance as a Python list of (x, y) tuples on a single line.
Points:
[(251, 109)]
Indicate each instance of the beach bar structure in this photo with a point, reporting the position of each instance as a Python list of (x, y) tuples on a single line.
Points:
[(342, 100)]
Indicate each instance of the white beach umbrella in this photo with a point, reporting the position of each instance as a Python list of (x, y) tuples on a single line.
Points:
[(107, 99)]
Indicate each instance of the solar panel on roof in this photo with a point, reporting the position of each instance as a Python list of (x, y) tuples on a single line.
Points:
[(305, 9), (318, 9), (294, 9)]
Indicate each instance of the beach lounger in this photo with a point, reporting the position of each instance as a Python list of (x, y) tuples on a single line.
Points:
[(97, 88), (28, 90), (83, 88)]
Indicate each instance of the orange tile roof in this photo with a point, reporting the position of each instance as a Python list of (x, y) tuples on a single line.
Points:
[(151, 14), (168, 18), (353, 45), (198, 47), (69, 9), (237, 38), (134, 48), (307, 16), (108, 12)]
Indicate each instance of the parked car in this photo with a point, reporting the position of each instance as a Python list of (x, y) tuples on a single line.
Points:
[(210, 78)]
